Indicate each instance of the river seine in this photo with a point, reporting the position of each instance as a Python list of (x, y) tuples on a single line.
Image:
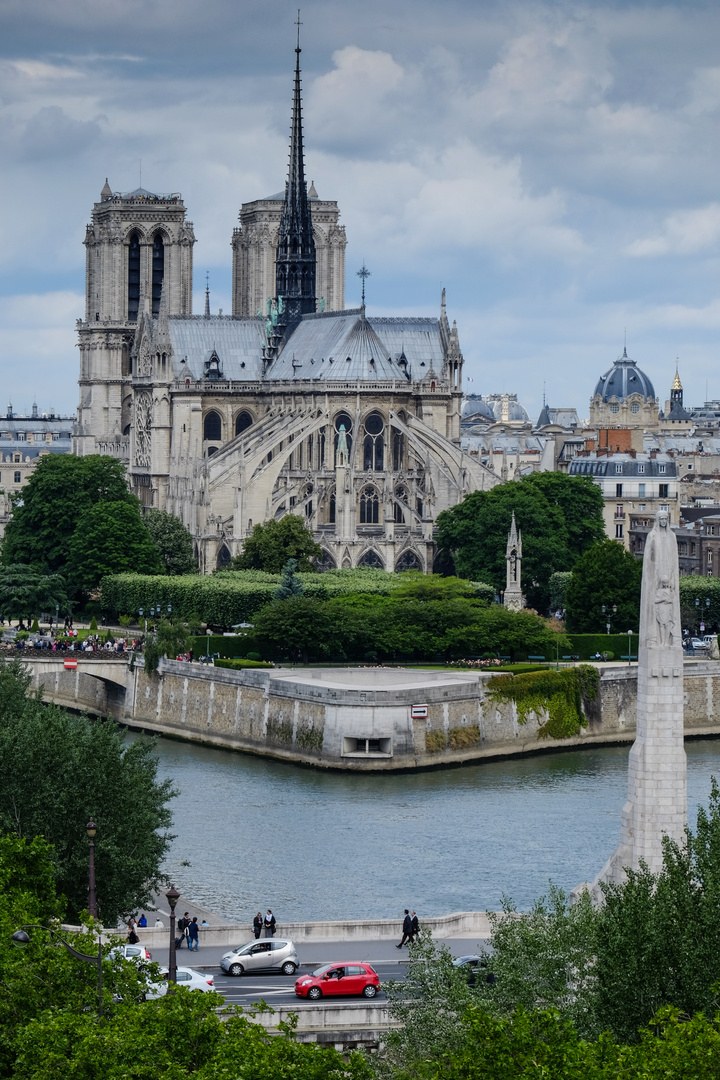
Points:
[(325, 845)]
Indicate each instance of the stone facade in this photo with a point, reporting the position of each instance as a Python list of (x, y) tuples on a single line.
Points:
[(514, 599)]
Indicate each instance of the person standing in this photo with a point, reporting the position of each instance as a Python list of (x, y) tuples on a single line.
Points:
[(414, 927), (143, 920), (193, 935), (182, 925), (407, 929), (269, 923), (257, 925)]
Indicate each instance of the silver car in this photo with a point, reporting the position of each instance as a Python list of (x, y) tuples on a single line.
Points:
[(269, 954)]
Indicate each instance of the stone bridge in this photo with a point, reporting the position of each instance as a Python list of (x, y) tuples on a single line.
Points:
[(97, 686)]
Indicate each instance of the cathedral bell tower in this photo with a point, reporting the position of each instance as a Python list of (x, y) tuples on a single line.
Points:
[(296, 259), (139, 251)]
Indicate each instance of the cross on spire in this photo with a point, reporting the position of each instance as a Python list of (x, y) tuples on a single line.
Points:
[(363, 273)]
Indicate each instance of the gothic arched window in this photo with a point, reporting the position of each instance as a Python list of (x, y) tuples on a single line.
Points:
[(343, 420), (398, 450), (224, 557), (369, 506), (372, 560), (212, 426), (401, 497), (407, 561), (243, 420), (158, 272), (374, 443), (133, 277)]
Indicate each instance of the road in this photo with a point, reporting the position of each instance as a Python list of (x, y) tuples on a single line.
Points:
[(280, 989)]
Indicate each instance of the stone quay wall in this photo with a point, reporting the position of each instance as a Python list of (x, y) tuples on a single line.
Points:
[(367, 719)]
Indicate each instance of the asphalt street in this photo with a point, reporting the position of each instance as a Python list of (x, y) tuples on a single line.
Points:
[(247, 990)]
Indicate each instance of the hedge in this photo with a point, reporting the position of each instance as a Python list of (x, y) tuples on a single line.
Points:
[(217, 644), (586, 645), (232, 597), (235, 664)]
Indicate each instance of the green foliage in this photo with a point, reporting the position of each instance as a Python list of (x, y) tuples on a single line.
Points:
[(47, 511), (435, 741), (559, 693), (586, 646), (93, 625), (25, 592), (290, 582), (271, 545), (461, 737), (126, 620), (692, 588), (560, 518), (172, 540), (110, 538), (35, 627), (58, 770), (229, 647), (607, 574), (559, 582), (238, 665)]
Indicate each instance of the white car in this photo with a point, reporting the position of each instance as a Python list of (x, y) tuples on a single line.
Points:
[(189, 977), (130, 952)]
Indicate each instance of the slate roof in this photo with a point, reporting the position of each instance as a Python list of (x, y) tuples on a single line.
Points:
[(623, 379), (238, 343)]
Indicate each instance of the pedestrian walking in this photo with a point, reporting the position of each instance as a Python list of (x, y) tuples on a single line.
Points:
[(193, 935), (414, 926), (407, 929), (182, 925), (258, 925), (269, 924), (143, 921)]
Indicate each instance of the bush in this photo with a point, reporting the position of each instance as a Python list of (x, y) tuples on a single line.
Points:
[(238, 664), (435, 741), (35, 627), (587, 645), (562, 694), (460, 737), (93, 624)]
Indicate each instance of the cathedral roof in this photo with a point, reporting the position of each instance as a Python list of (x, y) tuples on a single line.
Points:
[(623, 379), (237, 342)]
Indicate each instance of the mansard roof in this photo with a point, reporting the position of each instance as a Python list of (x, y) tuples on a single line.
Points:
[(238, 343)]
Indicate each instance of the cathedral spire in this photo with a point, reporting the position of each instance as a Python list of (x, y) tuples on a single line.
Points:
[(296, 263), (207, 294)]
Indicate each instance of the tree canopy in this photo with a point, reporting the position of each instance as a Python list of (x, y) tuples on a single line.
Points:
[(26, 593), (110, 538), (173, 541), (559, 516), (271, 545), (56, 771), (606, 575), (46, 512)]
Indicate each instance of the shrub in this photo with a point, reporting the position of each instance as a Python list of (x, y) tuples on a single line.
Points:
[(93, 624), (35, 627), (460, 737), (238, 664), (561, 694), (435, 741)]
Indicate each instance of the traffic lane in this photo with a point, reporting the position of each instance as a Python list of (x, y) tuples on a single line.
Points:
[(280, 989)]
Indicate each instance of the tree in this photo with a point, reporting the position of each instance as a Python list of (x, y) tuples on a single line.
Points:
[(110, 538), (297, 624), (474, 534), (57, 771), (606, 575), (46, 511), (25, 593), (173, 639), (271, 545), (173, 541), (559, 582), (290, 583)]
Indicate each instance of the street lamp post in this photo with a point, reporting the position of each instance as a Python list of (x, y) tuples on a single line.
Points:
[(629, 647), (172, 898), (91, 829), (141, 613), (21, 938)]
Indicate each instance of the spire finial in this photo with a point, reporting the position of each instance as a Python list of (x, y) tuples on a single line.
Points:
[(363, 273), (207, 294), (298, 24)]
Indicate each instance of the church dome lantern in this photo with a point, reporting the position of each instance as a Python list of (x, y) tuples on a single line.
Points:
[(624, 379)]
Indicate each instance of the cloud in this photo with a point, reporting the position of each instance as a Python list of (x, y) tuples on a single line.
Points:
[(687, 232), (52, 133)]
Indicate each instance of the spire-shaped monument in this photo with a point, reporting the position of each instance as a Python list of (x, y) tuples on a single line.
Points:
[(295, 260), (514, 599)]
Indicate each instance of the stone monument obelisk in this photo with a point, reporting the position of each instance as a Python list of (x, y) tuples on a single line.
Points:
[(514, 599), (657, 787)]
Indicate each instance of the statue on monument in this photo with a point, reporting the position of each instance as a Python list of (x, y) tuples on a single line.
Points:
[(514, 599)]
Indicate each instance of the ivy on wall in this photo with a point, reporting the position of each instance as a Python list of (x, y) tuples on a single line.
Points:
[(561, 694)]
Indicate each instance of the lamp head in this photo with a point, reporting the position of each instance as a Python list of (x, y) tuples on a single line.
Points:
[(20, 938), (91, 828), (172, 897)]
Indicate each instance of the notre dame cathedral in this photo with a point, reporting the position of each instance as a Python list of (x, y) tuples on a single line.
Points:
[(291, 404)]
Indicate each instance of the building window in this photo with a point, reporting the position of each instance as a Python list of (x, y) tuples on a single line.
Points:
[(243, 420), (663, 494), (661, 468), (374, 443), (22, 437), (709, 558), (401, 502), (643, 506), (212, 426), (692, 549), (618, 491), (682, 548), (641, 468), (369, 506), (343, 420), (618, 468), (158, 272), (133, 277), (332, 509), (665, 507), (17, 477), (619, 531), (614, 408), (635, 408), (619, 511), (398, 446), (641, 491)]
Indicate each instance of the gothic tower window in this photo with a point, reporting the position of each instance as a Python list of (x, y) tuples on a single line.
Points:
[(332, 509), (343, 420), (158, 272), (133, 277), (373, 443), (243, 420), (369, 506), (212, 427)]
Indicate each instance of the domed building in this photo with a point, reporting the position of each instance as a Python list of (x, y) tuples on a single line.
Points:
[(624, 398), (501, 410)]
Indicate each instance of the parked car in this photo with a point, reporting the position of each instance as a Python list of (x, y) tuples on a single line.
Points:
[(334, 980), (189, 977), (130, 952), (699, 644), (472, 966), (269, 954)]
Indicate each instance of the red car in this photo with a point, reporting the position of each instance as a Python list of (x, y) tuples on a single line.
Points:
[(333, 980)]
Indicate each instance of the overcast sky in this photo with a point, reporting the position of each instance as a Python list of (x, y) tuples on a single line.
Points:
[(553, 165)]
